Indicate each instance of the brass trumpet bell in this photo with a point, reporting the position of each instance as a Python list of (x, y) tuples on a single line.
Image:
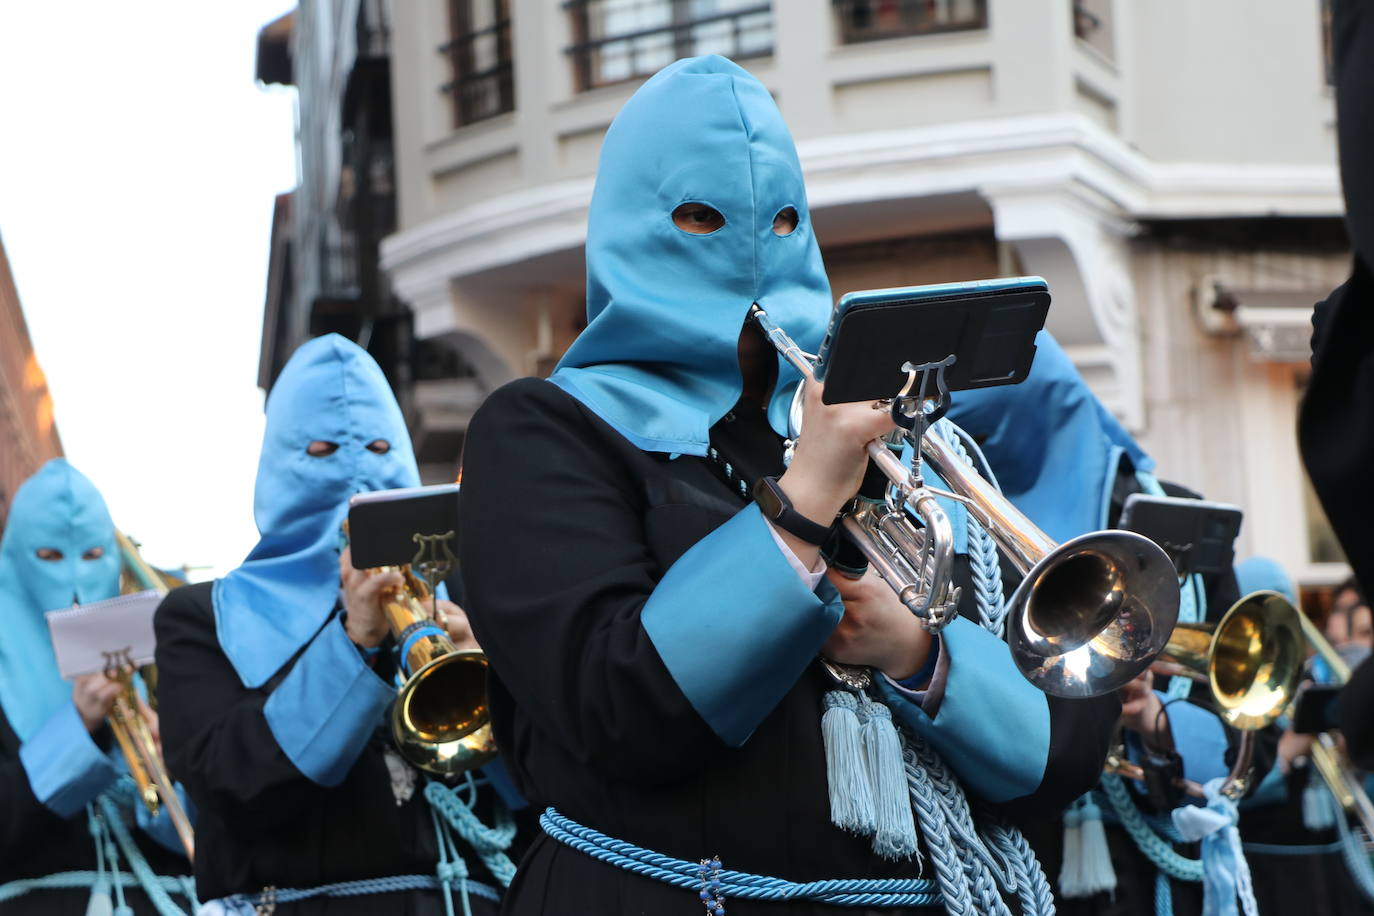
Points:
[(1093, 613), (1252, 658), (440, 722)]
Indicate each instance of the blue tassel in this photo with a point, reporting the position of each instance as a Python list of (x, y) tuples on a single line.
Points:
[(1071, 870), (124, 910), (851, 797), (1098, 874), (1317, 813), (99, 904), (894, 836)]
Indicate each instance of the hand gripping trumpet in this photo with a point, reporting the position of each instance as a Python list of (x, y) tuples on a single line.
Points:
[(1089, 615), (130, 726), (440, 721), (1251, 660)]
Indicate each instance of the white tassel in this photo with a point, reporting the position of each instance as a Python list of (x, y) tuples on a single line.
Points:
[(1098, 874), (1071, 868), (100, 903), (851, 796)]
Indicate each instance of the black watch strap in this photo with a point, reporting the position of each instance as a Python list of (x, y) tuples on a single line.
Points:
[(777, 508)]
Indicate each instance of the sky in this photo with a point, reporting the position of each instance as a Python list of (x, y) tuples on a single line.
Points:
[(138, 164)]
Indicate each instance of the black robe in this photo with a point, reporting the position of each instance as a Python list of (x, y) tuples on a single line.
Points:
[(35, 842), (261, 822), (1336, 421), (566, 530)]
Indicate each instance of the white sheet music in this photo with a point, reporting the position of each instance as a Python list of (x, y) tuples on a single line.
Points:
[(82, 635)]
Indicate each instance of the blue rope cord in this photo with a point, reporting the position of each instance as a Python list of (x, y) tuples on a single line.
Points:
[(1150, 843), (687, 875), (392, 884), (490, 843), (123, 790), (1283, 849), (69, 880), (984, 564)]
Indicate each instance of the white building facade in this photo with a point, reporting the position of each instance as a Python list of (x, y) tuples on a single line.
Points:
[(1168, 167)]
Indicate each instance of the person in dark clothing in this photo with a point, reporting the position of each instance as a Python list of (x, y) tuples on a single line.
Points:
[(1068, 464), (1336, 419), (61, 791), (653, 636), (274, 696)]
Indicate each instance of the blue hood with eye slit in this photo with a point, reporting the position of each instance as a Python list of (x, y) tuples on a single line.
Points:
[(658, 360), (330, 390), (1053, 446), (57, 508)]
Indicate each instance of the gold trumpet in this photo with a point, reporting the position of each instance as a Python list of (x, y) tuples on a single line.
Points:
[(130, 726), (1326, 754), (440, 721), (1090, 613), (1251, 660)]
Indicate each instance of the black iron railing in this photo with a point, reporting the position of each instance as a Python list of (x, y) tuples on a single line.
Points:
[(483, 83), (618, 40), (871, 20)]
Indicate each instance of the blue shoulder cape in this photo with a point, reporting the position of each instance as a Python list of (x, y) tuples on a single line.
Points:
[(330, 390)]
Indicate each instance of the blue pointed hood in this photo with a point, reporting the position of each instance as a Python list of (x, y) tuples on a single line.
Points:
[(1053, 446), (1264, 574), (57, 508), (658, 360), (330, 390)]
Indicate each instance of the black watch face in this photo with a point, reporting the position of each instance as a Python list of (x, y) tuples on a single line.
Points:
[(766, 495)]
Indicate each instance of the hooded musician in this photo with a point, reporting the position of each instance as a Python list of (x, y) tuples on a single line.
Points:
[(276, 686), (72, 833), (654, 638)]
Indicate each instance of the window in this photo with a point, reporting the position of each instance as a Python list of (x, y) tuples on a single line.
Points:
[(483, 83), (616, 40), (1092, 24), (867, 20)]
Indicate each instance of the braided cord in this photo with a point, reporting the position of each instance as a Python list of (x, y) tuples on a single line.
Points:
[(68, 880), (684, 874), (147, 879), (490, 843), (1154, 847), (391, 884), (984, 564)]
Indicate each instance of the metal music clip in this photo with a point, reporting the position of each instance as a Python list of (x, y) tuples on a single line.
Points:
[(431, 564)]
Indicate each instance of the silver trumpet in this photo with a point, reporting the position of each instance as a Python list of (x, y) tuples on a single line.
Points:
[(1089, 615)]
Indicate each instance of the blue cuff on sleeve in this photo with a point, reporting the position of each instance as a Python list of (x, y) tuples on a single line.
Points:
[(324, 710), (65, 767), (736, 626), (992, 727)]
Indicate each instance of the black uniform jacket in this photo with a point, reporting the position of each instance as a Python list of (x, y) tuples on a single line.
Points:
[(35, 842), (261, 822), (566, 530)]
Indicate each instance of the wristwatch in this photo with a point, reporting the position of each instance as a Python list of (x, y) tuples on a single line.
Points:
[(777, 508)]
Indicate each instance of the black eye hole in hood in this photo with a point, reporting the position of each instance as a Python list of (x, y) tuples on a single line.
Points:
[(785, 222), (698, 218)]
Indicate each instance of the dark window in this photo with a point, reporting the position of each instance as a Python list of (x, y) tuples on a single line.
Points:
[(866, 20), (617, 40), (1092, 23), (483, 83)]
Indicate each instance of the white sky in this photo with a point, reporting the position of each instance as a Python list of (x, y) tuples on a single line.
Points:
[(138, 163)]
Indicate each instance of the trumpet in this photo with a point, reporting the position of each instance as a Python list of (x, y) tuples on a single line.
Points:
[(440, 721), (1089, 615), (1251, 660), (1336, 770), (130, 726)]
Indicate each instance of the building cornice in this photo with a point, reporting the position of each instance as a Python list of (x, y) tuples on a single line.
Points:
[(992, 157)]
